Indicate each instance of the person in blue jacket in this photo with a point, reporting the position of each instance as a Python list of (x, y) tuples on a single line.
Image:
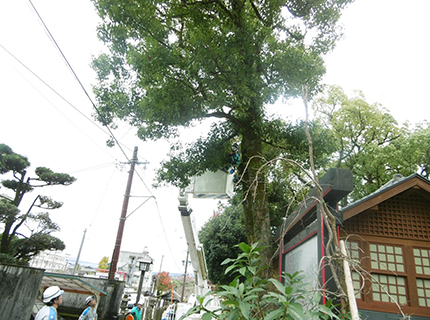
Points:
[(137, 311), (90, 312), (52, 297)]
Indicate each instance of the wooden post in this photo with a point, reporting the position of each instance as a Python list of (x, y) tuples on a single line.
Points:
[(349, 285)]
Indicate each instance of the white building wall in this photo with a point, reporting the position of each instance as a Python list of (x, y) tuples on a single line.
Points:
[(128, 261), (51, 261)]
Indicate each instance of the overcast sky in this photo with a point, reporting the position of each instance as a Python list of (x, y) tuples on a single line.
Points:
[(384, 53)]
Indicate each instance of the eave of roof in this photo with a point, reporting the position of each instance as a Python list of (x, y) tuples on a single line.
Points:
[(388, 191), (70, 283)]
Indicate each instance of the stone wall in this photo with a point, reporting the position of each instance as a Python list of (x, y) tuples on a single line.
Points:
[(19, 288)]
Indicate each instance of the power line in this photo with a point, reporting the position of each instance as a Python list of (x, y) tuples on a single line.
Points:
[(58, 94), (100, 166), (46, 84), (77, 79), (100, 115)]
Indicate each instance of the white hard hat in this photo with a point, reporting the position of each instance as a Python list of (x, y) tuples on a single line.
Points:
[(89, 299), (51, 293), (140, 302)]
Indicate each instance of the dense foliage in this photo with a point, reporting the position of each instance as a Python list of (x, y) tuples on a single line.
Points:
[(348, 133), (17, 246), (172, 63), (219, 237), (370, 142), (104, 263), (249, 296)]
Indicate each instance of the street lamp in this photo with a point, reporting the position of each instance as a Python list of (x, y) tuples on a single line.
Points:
[(144, 265)]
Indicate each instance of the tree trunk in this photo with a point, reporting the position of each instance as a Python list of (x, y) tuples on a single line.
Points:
[(255, 204), (6, 238)]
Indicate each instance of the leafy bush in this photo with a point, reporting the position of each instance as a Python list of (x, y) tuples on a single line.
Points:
[(250, 297)]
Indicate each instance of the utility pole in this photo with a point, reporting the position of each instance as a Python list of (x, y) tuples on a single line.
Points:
[(158, 277), (117, 248), (79, 253)]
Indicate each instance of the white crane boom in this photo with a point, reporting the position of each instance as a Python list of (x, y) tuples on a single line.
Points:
[(197, 254)]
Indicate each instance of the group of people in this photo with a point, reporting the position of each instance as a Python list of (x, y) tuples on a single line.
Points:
[(52, 297)]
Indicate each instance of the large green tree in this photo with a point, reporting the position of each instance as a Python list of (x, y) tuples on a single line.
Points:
[(417, 148), (16, 246), (369, 141), (175, 62)]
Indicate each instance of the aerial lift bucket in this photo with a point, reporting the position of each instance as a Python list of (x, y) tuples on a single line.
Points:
[(212, 185)]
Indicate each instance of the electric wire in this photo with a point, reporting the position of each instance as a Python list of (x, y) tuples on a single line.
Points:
[(103, 195), (46, 84), (159, 216), (101, 166), (165, 235), (58, 94), (78, 80), (101, 117)]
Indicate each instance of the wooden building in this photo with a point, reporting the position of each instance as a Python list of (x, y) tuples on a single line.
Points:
[(387, 235), (388, 238)]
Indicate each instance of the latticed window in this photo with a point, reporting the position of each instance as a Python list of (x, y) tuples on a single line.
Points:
[(386, 257), (422, 261), (389, 241), (353, 250), (423, 288), (386, 272), (422, 268), (389, 288), (386, 287)]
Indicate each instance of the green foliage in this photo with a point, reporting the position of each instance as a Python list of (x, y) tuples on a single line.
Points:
[(17, 245), (51, 178), (23, 249), (249, 296), (8, 259), (175, 63), (416, 148), (11, 161), (219, 237), (104, 263), (369, 141)]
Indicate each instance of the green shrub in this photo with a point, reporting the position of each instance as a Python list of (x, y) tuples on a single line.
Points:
[(250, 297)]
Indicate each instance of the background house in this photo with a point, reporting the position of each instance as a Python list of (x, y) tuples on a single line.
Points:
[(128, 263), (51, 261)]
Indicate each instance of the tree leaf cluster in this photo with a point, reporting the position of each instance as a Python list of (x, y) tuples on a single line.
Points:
[(104, 263), (173, 63), (369, 141), (219, 237), (164, 282), (250, 296), (27, 233)]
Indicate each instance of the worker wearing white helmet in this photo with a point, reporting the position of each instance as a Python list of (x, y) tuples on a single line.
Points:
[(52, 297), (136, 312), (90, 312)]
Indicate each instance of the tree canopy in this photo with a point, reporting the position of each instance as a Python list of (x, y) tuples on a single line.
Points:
[(348, 132), (104, 263), (369, 141), (17, 246), (164, 282), (172, 63)]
